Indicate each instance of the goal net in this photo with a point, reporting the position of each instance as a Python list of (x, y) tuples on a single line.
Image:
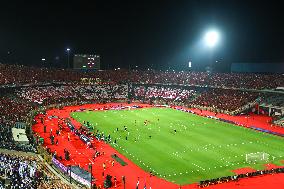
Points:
[(257, 157)]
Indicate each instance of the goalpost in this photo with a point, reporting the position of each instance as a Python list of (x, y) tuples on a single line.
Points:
[(257, 157)]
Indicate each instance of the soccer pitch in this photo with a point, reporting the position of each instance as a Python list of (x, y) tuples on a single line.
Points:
[(182, 147)]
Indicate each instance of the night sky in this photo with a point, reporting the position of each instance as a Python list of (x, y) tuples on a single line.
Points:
[(144, 33)]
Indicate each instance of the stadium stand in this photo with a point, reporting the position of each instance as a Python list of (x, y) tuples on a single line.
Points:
[(28, 172), (273, 103), (56, 94), (224, 99), (26, 89), (273, 100), (16, 75), (163, 92)]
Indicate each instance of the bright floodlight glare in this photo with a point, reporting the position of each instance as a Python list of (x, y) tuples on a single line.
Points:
[(211, 38), (68, 49)]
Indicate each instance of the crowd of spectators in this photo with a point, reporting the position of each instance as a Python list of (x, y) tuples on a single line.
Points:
[(15, 75), (13, 109), (22, 172), (50, 180), (227, 80), (105, 91), (214, 99), (54, 94), (220, 180), (163, 92), (42, 94), (18, 74), (26, 173), (224, 99)]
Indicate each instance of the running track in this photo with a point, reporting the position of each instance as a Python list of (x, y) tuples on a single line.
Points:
[(82, 156)]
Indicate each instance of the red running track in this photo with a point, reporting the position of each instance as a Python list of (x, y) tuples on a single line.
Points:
[(82, 156)]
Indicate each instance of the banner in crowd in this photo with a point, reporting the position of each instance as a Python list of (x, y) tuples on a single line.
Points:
[(70, 125), (80, 180), (59, 165), (83, 137), (64, 169)]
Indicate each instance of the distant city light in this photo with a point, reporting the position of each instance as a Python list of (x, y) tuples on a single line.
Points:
[(43, 59), (68, 49), (211, 38)]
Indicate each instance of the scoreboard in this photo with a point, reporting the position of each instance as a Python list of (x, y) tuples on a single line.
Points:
[(86, 61)]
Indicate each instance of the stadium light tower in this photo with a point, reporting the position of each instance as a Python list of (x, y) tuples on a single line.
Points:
[(43, 61), (68, 54), (211, 38)]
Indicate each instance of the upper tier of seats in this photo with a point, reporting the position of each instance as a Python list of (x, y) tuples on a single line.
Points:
[(15, 74)]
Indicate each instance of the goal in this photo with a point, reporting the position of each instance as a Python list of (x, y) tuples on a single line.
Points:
[(257, 157)]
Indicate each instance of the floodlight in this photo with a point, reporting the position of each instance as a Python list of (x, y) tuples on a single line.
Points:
[(211, 38)]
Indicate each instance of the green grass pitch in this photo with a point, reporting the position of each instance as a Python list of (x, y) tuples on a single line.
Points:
[(201, 148)]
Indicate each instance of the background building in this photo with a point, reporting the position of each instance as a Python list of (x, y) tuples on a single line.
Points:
[(257, 67)]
